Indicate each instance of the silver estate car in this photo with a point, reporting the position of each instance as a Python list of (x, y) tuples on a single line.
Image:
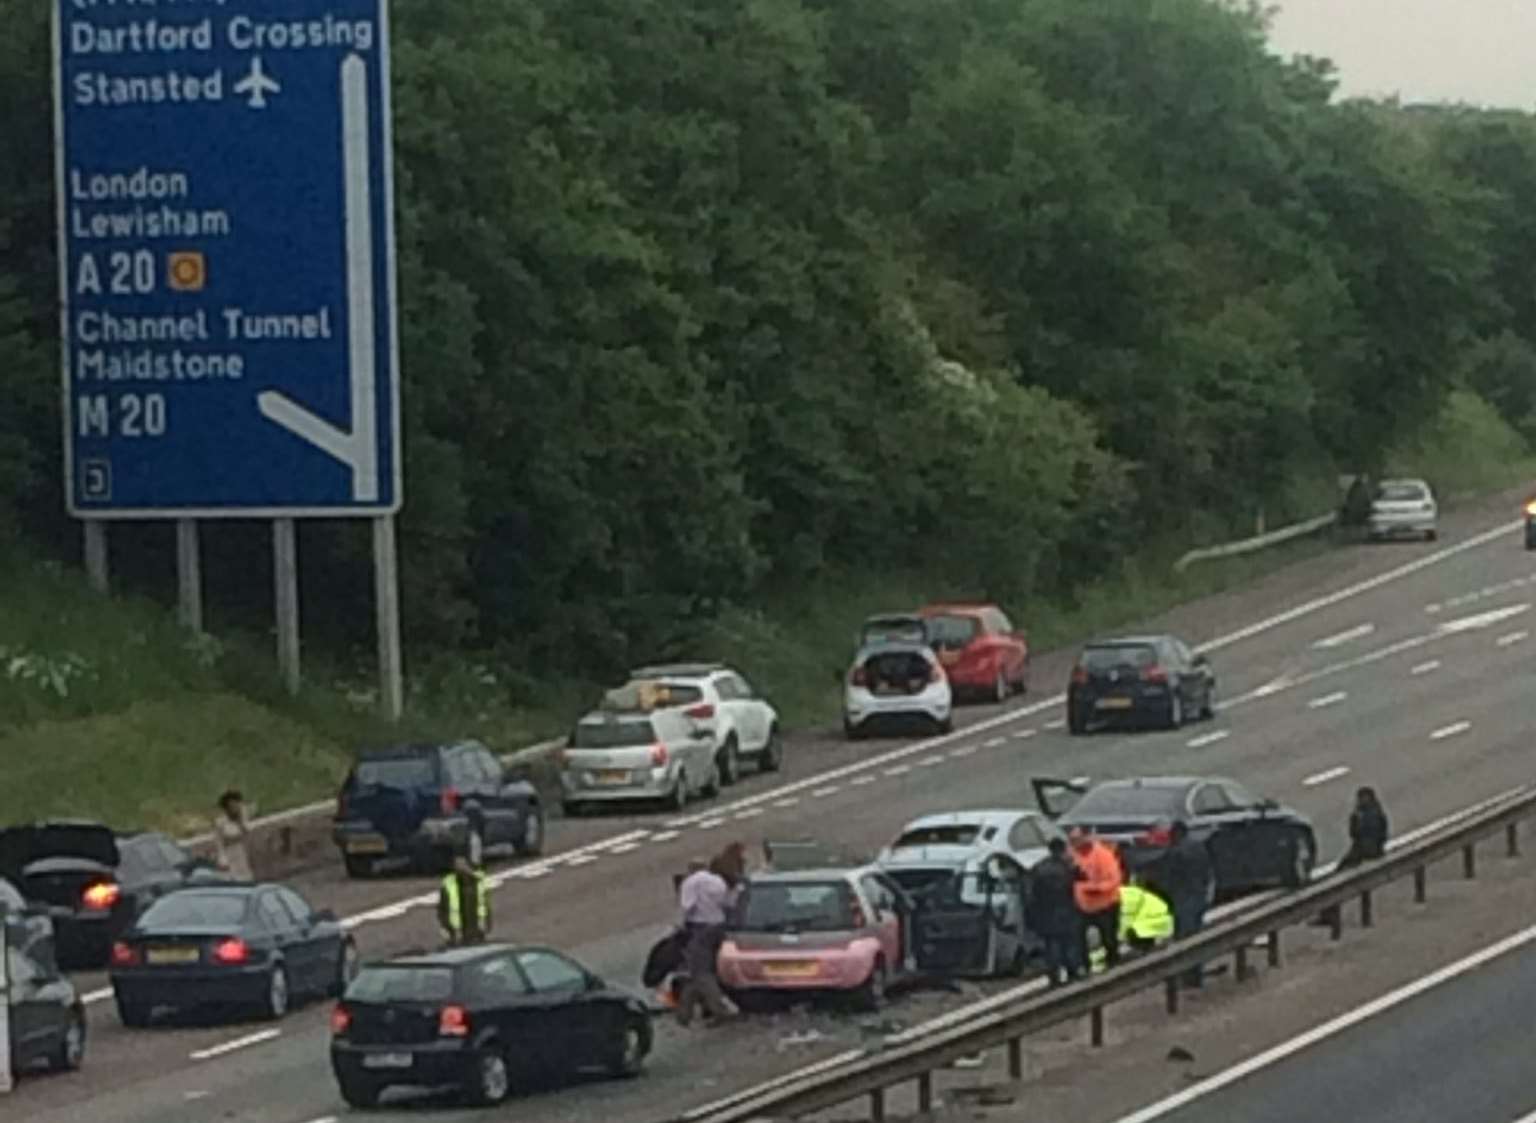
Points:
[(1403, 508), (661, 756)]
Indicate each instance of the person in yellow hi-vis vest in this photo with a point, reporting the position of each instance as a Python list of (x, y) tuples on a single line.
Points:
[(464, 905), (1145, 921)]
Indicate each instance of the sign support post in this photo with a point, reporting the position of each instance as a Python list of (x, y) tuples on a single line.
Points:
[(189, 575), (5, 1011), (96, 569), (386, 577), (285, 574)]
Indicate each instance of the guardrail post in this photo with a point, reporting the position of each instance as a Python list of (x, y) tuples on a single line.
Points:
[(1469, 860), (1242, 964), (1512, 839), (1171, 994), (1096, 1026), (1274, 948), (1365, 909), (1335, 918), (1420, 885), (1016, 1058), (877, 1105), (925, 1093)]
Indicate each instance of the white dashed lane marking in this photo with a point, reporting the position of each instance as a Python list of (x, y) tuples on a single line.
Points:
[(1026, 734), (625, 848), (996, 741), (1328, 700), (860, 781), (665, 836), (1059, 723), (787, 801), (899, 770), (710, 824), (582, 860), (1512, 637), (1425, 668), (822, 793), (929, 762), (749, 813), (1450, 730), (1323, 777), (964, 750), (1210, 738), (1341, 638), (237, 1043)]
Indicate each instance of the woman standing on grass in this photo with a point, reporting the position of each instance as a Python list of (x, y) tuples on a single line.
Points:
[(230, 829)]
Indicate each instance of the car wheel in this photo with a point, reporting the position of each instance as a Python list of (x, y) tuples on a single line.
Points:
[(678, 800), (275, 1005), (772, 758), (1077, 724), (1303, 857), (946, 724), (631, 1049), (132, 1014), (71, 1052), (728, 764), (1175, 709), (851, 731), (871, 996), (573, 810), (531, 845), (1431, 535), (357, 866), (359, 1093), (492, 1081), (1000, 689), (1208, 707), (346, 969)]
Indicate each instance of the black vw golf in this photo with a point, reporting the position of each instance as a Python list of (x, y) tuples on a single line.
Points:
[(252, 946), (480, 1019)]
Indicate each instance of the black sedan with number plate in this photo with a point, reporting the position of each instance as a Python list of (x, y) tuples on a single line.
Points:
[(481, 1020), (250, 946), (1155, 679)]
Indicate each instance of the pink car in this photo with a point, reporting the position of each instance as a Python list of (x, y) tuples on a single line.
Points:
[(827, 930)]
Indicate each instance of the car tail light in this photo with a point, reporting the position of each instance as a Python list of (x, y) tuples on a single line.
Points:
[(101, 896), (341, 1020), (857, 677), (341, 806), (700, 713), (124, 955), (1157, 836), (1079, 676), (935, 673), (453, 1021), (232, 952), (857, 913), (448, 802), (658, 755), (1154, 674)]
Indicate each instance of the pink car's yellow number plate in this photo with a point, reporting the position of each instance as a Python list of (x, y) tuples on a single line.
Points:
[(792, 969)]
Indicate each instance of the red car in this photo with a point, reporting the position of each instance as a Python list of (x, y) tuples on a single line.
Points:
[(980, 649)]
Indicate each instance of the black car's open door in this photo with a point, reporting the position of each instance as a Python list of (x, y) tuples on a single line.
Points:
[(1056, 797), (974, 922)]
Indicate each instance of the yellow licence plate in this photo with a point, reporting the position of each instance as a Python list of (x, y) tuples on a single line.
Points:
[(160, 956), (370, 844), (1114, 703), (613, 776), (798, 970)]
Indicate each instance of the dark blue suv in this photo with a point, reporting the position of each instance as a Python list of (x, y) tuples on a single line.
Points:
[(428, 802)]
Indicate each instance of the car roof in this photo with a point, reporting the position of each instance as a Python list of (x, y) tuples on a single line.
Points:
[(957, 608), (962, 818), (1160, 782), (678, 670), (823, 873), (601, 716), (1404, 481), (1130, 641), (396, 752), (455, 957)]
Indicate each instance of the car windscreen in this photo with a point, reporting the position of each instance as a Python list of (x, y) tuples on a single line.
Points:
[(402, 984), (612, 734), (1128, 801), (197, 910), (400, 773), (949, 834), (950, 632), (1104, 657), (1400, 493), (799, 906), (644, 695)]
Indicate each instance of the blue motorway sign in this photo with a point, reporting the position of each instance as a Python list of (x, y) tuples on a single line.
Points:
[(226, 245)]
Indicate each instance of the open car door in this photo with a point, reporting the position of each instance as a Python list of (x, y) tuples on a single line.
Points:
[(1056, 797), (973, 923)]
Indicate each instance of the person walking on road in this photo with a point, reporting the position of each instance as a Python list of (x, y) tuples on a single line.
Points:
[(464, 904), (1097, 891), (1189, 879), (1368, 829), (230, 830), (1053, 915), (707, 899)]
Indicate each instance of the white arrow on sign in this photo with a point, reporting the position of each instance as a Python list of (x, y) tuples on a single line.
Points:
[(357, 449)]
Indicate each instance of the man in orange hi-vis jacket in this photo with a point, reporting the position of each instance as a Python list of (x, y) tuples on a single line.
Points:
[(1098, 892)]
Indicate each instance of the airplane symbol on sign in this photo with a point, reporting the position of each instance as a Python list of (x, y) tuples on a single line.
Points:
[(257, 84)]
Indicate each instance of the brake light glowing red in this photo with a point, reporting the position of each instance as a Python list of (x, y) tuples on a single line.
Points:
[(700, 713), (1079, 676), (935, 673), (448, 802), (124, 955), (101, 896), (232, 952), (1157, 836), (1154, 674), (658, 755), (341, 1020), (453, 1021)]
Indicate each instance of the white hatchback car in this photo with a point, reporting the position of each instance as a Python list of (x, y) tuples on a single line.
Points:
[(717, 697), (1403, 508), (896, 684)]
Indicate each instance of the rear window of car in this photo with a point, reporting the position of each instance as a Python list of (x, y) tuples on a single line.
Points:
[(211, 910), (402, 984), (402, 773), (1129, 801), (645, 695), (1400, 493), (1105, 657), (921, 882), (801, 906), (612, 734), (954, 834), (895, 630), (952, 631)]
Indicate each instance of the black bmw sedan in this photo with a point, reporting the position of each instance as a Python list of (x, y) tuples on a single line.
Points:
[(1142, 679), (480, 1020), (255, 947)]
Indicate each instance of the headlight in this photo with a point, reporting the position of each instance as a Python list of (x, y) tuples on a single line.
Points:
[(1530, 508)]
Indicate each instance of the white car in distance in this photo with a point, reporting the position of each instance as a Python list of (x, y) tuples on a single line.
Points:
[(1403, 508), (892, 685)]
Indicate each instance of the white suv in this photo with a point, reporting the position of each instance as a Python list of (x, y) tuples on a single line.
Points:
[(716, 697)]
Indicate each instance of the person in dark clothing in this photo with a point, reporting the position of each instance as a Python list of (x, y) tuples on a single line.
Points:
[(1368, 829), (1187, 877), (1053, 914)]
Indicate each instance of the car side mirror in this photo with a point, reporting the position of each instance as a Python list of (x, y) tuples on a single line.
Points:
[(1201, 661), (324, 916), (595, 982)]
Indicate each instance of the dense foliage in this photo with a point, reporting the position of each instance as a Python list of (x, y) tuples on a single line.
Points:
[(707, 296)]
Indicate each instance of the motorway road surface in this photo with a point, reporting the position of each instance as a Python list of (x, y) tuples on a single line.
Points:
[(1407, 667), (1457, 1051)]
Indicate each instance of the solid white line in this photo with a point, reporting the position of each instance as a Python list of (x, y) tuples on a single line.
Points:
[(1425, 668), (1512, 637), (237, 1043), (1323, 777), (324, 1119), (665, 836), (1331, 1028), (1531, 1118), (1327, 700), (1210, 738), (1344, 637), (1450, 730)]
